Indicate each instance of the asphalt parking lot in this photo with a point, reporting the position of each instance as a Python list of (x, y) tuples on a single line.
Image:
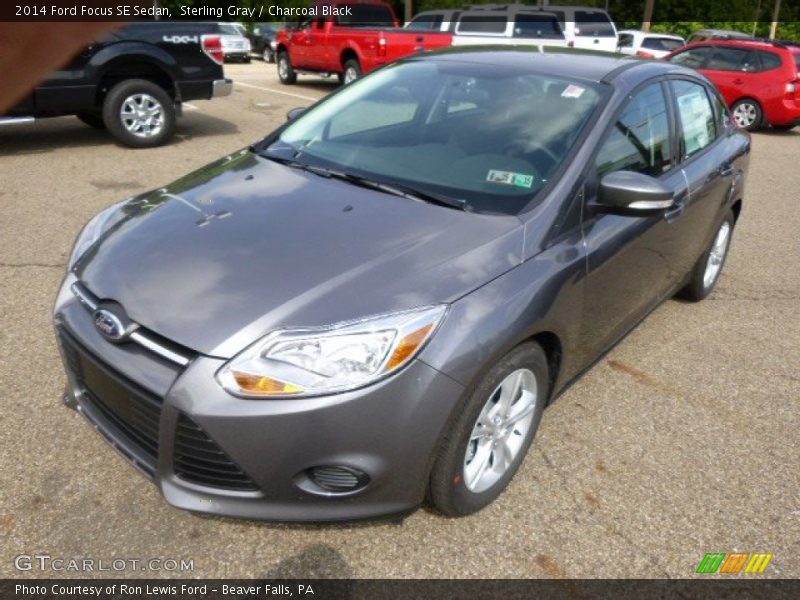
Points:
[(682, 441)]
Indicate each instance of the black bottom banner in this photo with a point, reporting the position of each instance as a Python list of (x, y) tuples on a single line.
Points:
[(408, 589)]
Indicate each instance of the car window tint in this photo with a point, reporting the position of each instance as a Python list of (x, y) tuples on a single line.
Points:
[(640, 139), (697, 120), (426, 23), (594, 23), (663, 44), (727, 59), (482, 24), (692, 58), (625, 40), (769, 60), (536, 26)]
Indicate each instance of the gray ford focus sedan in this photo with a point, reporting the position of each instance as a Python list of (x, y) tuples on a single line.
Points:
[(372, 306)]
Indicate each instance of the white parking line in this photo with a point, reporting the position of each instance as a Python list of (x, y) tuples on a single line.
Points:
[(258, 87)]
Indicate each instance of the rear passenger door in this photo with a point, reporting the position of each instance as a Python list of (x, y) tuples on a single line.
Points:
[(706, 159), (731, 70)]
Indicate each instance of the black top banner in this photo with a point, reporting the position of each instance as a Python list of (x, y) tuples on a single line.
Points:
[(621, 11)]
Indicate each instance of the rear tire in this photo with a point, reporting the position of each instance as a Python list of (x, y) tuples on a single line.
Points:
[(747, 114), (352, 71), (139, 113), (92, 119), (489, 439), (285, 71), (706, 272)]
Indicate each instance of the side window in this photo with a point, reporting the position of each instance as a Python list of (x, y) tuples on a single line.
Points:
[(486, 24), (723, 114), (769, 60), (625, 40), (536, 26), (692, 58), (697, 121), (727, 59), (640, 139)]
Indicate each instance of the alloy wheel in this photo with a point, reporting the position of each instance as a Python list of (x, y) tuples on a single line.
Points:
[(717, 255), (500, 430), (142, 115)]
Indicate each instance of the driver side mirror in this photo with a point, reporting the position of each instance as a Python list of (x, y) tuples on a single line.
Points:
[(634, 194), (295, 112)]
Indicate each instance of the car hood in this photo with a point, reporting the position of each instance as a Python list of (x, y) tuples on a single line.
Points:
[(245, 245)]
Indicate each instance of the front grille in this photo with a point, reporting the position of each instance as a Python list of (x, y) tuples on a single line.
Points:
[(198, 459), (122, 409)]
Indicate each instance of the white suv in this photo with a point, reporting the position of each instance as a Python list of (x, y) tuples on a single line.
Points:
[(508, 24)]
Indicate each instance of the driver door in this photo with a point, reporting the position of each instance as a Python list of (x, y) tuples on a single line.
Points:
[(301, 41), (631, 259)]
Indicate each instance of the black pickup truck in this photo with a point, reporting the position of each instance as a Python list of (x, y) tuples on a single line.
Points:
[(133, 82)]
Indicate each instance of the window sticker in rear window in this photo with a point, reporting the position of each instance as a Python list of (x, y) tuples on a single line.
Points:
[(510, 178)]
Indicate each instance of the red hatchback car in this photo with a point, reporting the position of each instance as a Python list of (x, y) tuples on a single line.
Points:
[(758, 78)]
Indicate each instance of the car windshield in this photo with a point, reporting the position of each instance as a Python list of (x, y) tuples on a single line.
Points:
[(366, 15), (487, 135)]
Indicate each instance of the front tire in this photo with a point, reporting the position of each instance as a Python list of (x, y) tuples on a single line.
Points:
[(139, 113), (490, 437), (285, 71), (747, 114), (706, 272)]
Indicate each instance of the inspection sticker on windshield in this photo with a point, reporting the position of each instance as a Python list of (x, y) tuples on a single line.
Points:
[(572, 91), (509, 178)]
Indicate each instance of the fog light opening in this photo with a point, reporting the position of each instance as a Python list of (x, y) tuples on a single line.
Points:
[(332, 480)]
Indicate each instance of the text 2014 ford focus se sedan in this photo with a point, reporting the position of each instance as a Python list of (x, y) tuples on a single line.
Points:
[(374, 304)]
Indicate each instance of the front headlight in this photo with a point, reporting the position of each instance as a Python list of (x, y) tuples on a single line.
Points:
[(309, 362), (96, 226)]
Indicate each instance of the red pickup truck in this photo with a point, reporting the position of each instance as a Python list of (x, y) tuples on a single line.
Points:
[(349, 38)]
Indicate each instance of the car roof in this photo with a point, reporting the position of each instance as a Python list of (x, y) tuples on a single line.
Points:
[(586, 65), (747, 43)]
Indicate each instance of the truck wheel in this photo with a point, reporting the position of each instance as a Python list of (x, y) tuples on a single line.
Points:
[(285, 71), (352, 71), (92, 119), (139, 113)]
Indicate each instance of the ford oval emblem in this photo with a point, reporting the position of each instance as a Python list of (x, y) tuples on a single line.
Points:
[(109, 325)]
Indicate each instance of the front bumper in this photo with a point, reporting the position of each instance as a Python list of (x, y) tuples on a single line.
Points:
[(221, 87), (160, 411)]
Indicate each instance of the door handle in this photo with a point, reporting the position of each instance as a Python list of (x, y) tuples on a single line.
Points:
[(738, 81), (726, 170)]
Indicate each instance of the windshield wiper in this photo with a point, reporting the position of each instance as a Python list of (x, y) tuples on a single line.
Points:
[(403, 191), (397, 189)]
